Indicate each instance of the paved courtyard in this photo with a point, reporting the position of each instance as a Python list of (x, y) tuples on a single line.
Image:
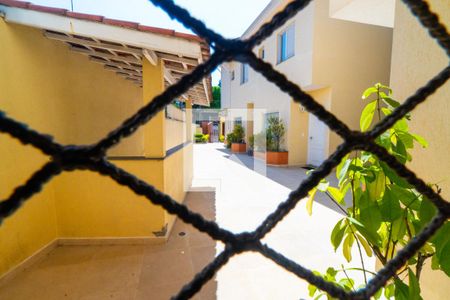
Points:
[(236, 192)]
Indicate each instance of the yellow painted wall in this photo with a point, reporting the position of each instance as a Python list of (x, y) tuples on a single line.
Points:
[(297, 135), (349, 57), (89, 205), (299, 128), (175, 133), (415, 59), (155, 129), (64, 94), (177, 171)]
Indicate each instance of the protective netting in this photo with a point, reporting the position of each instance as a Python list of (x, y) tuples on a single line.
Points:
[(93, 157)]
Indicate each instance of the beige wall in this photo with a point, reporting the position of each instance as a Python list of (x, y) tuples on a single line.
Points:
[(348, 57), (415, 59)]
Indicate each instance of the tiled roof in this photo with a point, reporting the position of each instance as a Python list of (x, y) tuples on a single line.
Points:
[(100, 19)]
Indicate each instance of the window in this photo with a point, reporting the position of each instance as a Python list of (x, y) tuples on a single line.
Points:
[(261, 53), (244, 73), (232, 75), (286, 43), (238, 121), (267, 116)]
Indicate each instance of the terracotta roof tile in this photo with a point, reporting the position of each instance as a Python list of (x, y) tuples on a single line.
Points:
[(15, 3), (121, 23), (82, 16), (52, 10), (100, 19), (156, 30)]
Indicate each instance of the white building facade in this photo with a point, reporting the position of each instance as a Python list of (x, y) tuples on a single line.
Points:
[(333, 60)]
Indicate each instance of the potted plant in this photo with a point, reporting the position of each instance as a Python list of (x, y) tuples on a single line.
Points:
[(268, 143), (251, 143), (238, 144), (229, 140), (275, 135)]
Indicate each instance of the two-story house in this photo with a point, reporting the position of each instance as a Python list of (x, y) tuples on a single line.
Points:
[(332, 59)]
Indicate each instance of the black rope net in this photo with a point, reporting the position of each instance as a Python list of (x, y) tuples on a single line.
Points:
[(66, 158)]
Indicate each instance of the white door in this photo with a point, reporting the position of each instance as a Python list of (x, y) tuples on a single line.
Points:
[(317, 141)]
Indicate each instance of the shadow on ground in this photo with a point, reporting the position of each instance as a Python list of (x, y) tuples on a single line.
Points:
[(290, 177)]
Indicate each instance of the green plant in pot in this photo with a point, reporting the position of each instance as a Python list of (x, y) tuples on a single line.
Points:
[(238, 144), (230, 139), (274, 138)]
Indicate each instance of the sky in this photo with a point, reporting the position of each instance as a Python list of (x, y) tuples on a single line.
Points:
[(229, 18)]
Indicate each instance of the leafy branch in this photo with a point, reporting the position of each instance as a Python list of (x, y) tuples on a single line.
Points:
[(386, 211)]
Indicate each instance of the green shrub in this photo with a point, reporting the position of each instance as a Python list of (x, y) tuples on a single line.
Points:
[(230, 139), (198, 135), (275, 134), (239, 134)]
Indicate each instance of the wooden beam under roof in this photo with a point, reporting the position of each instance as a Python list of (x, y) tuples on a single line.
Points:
[(150, 56), (175, 58), (87, 43), (128, 59), (116, 64)]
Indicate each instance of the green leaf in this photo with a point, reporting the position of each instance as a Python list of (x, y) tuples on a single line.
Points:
[(401, 125), (441, 242), (341, 170), (444, 259), (338, 233), (312, 289), (369, 92), (389, 291), (370, 215), (365, 244), (347, 247), (393, 176), (309, 202), (377, 186), (391, 102), (337, 195), (406, 196), (420, 140), (406, 138), (390, 207), (398, 229), (426, 212), (414, 288), (401, 290), (367, 115)]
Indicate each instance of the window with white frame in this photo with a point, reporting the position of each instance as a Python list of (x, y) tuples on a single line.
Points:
[(244, 73), (286, 43)]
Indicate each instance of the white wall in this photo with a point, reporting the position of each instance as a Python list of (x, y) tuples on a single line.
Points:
[(266, 96)]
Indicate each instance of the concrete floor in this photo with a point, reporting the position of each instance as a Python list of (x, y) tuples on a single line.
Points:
[(238, 194)]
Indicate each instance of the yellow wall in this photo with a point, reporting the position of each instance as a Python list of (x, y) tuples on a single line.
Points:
[(62, 93), (297, 135), (349, 57), (415, 59), (99, 207), (175, 133)]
